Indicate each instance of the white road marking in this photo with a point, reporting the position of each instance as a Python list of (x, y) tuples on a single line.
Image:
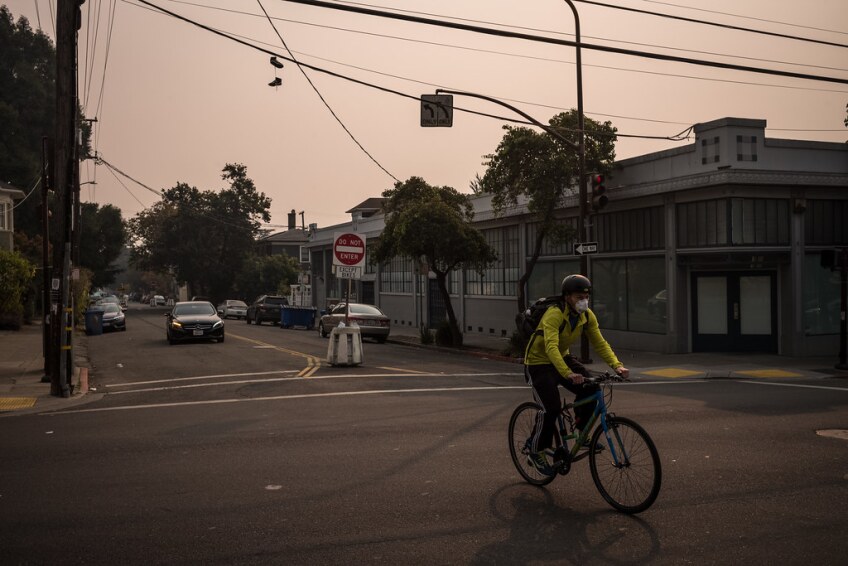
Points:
[(200, 377)]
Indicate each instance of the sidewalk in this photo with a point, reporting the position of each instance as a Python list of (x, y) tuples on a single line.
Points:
[(22, 366), (653, 365)]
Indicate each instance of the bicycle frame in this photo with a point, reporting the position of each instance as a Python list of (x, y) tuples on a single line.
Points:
[(598, 415)]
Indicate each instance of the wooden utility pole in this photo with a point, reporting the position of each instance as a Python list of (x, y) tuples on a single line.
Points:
[(67, 21)]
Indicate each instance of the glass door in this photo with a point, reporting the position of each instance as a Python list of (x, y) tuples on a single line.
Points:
[(734, 312)]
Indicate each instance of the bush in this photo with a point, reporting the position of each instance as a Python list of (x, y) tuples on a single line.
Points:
[(16, 274), (426, 335), (444, 336), (81, 290)]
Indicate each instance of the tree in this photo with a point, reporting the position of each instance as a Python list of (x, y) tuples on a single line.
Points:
[(265, 274), (102, 238), (433, 225), (16, 274), (202, 237), (543, 170)]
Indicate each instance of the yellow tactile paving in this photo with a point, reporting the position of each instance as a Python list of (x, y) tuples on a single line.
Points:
[(13, 403), (769, 373), (672, 372)]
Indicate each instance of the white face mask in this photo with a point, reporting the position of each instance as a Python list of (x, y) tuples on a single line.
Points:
[(581, 306)]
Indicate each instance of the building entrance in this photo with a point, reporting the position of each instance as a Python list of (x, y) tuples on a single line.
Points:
[(734, 312)]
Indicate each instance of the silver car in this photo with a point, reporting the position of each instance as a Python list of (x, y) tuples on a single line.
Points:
[(232, 308)]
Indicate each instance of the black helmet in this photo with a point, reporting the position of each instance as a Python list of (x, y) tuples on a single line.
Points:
[(576, 284)]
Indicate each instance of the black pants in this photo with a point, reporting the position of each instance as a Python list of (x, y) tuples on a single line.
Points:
[(544, 379)]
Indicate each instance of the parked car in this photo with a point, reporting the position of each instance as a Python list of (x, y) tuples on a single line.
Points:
[(193, 320), (232, 307), (113, 317), (158, 301), (370, 319), (266, 307)]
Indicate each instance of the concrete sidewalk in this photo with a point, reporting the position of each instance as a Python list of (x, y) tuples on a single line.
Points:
[(22, 366), (22, 370)]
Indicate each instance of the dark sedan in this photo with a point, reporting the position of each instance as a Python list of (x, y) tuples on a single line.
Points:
[(193, 320), (371, 321), (113, 317)]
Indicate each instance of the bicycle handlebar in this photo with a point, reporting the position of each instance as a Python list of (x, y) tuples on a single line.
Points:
[(604, 377)]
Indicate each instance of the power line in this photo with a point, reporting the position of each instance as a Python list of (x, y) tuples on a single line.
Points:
[(554, 41), (744, 17), (357, 81), (339, 120), (708, 23), (555, 32)]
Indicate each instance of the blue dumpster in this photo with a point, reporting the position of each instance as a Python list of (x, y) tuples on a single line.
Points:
[(94, 321), (291, 316)]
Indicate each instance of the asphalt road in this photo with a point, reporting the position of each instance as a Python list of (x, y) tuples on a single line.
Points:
[(222, 454)]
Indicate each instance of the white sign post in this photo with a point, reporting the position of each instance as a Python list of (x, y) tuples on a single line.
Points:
[(348, 259)]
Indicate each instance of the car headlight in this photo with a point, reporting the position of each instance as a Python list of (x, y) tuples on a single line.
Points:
[(176, 324), (218, 324)]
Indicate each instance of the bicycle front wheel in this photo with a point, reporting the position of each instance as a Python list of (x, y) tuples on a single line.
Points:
[(625, 465), (521, 427)]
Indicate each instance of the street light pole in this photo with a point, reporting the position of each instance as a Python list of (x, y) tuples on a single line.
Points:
[(583, 225)]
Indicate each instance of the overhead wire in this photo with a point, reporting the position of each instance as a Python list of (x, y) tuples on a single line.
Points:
[(32, 190), (336, 116), (714, 24)]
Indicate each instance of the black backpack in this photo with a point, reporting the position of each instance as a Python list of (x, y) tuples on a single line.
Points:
[(528, 321)]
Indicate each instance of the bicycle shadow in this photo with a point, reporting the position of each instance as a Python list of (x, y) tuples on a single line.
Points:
[(540, 530)]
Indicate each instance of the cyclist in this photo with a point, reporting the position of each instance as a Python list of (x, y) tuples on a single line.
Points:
[(547, 361)]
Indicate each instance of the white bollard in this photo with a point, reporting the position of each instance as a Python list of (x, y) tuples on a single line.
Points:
[(345, 347)]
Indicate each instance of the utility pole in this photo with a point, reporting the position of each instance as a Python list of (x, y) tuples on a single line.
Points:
[(46, 325), (67, 23)]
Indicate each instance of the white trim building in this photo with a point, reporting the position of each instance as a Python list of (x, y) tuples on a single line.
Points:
[(713, 246)]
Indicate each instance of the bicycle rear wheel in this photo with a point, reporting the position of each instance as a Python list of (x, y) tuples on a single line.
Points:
[(631, 484), (520, 428)]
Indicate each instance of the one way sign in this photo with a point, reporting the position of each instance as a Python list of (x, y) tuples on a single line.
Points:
[(585, 248)]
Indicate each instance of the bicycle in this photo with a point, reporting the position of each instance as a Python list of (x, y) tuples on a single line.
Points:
[(623, 459)]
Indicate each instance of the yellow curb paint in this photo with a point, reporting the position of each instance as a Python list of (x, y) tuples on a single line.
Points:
[(769, 373), (13, 403), (672, 372)]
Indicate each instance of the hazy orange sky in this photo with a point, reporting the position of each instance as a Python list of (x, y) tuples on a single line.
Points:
[(178, 103)]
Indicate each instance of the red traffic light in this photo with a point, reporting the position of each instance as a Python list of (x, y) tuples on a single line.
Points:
[(599, 198)]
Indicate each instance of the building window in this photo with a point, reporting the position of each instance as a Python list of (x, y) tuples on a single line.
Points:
[(5, 216), (547, 276), (737, 221), (396, 276), (709, 151), (632, 230), (499, 279), (824, 222), (746, 148), (565, 247), (759, 221), (821, 297), (630, 294), (370, 264)]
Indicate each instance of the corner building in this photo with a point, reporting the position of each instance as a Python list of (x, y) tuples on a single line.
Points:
[(715, 246)]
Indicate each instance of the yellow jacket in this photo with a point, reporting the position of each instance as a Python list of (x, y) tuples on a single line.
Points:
[(551, 346)]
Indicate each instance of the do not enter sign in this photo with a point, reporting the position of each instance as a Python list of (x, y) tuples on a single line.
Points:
[(349, 250)]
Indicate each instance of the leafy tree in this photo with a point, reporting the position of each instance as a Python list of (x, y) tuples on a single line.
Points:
[(16, 274), (265, 275), (102, 238), (539, 168), (202, 237), (432, 224)]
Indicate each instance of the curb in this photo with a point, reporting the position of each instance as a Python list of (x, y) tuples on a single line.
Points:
[(478, 353)]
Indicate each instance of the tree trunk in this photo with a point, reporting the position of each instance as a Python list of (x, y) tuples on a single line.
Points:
[(456, 335)]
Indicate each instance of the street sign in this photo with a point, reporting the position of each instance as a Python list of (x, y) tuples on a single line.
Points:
[(347, 272), (349, 249), (585, 248), (436, 110)]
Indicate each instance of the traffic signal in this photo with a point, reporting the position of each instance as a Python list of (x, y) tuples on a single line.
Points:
[(599, 189)]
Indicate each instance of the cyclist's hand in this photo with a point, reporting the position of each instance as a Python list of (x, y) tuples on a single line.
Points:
[(623, 372), (576, 378)]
